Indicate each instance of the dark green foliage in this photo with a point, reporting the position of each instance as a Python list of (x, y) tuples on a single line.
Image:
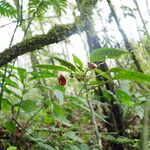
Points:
[(7, 10), (41, 7)]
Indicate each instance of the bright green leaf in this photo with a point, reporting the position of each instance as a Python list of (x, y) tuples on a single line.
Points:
[(52, 67), (6, 105), (10, 126), (66, 63), (12, 148), (104, 74), (11, 82), (123, 97), (28, 105), (22, 74), (41, 75), (77, 61), (124, 74), (102, 53)]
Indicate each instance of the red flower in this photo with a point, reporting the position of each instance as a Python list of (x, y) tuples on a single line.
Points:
[(92, 65), (62, 80)]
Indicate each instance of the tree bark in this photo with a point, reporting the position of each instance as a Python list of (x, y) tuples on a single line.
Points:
[(55, 35)]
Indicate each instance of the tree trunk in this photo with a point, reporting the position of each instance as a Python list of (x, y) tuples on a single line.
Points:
[(124, 36), (140, 14)]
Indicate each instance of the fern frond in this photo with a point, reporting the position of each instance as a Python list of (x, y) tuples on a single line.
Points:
[(59, 5), (43, 6), (7, 10)]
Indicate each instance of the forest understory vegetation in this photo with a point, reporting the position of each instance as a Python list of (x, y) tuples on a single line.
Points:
[(77, 78)]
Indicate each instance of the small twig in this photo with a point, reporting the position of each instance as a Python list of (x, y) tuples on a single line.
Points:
[(8, 24), (16, 122)]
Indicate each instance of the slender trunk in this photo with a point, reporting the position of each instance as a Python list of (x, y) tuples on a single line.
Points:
[(124, 36), (142, 19)]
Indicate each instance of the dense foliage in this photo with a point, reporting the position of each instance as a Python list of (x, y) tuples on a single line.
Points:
[(57, 104)]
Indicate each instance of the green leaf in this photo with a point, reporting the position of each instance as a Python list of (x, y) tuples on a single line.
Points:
[(60, 95), (102, 53), (125, 140), (124, 74), (41, 75), (72, 136), (108, 137), (66, 63), (10, 126), (11, 82), (9, 91), (62, 119), (7, 10), (22, 74), (84, 147), (95, 82), (102, 73), (108, 95), (45, 146), (52, 67), (123, 97), (58, 109), (12, 148), (77, 61), (29, 106), (59, 6), (6, 105), (43, 6), (77, 98), (71, 147)]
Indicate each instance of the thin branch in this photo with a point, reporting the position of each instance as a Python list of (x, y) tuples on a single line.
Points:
[(55, 35), (7, 24)]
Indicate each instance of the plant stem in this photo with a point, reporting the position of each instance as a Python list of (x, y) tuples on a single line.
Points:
[(20, 103), (146, 127), (93, 119)]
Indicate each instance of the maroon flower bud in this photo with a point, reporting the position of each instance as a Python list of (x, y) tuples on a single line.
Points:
[(62, 80), (92, 65)]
